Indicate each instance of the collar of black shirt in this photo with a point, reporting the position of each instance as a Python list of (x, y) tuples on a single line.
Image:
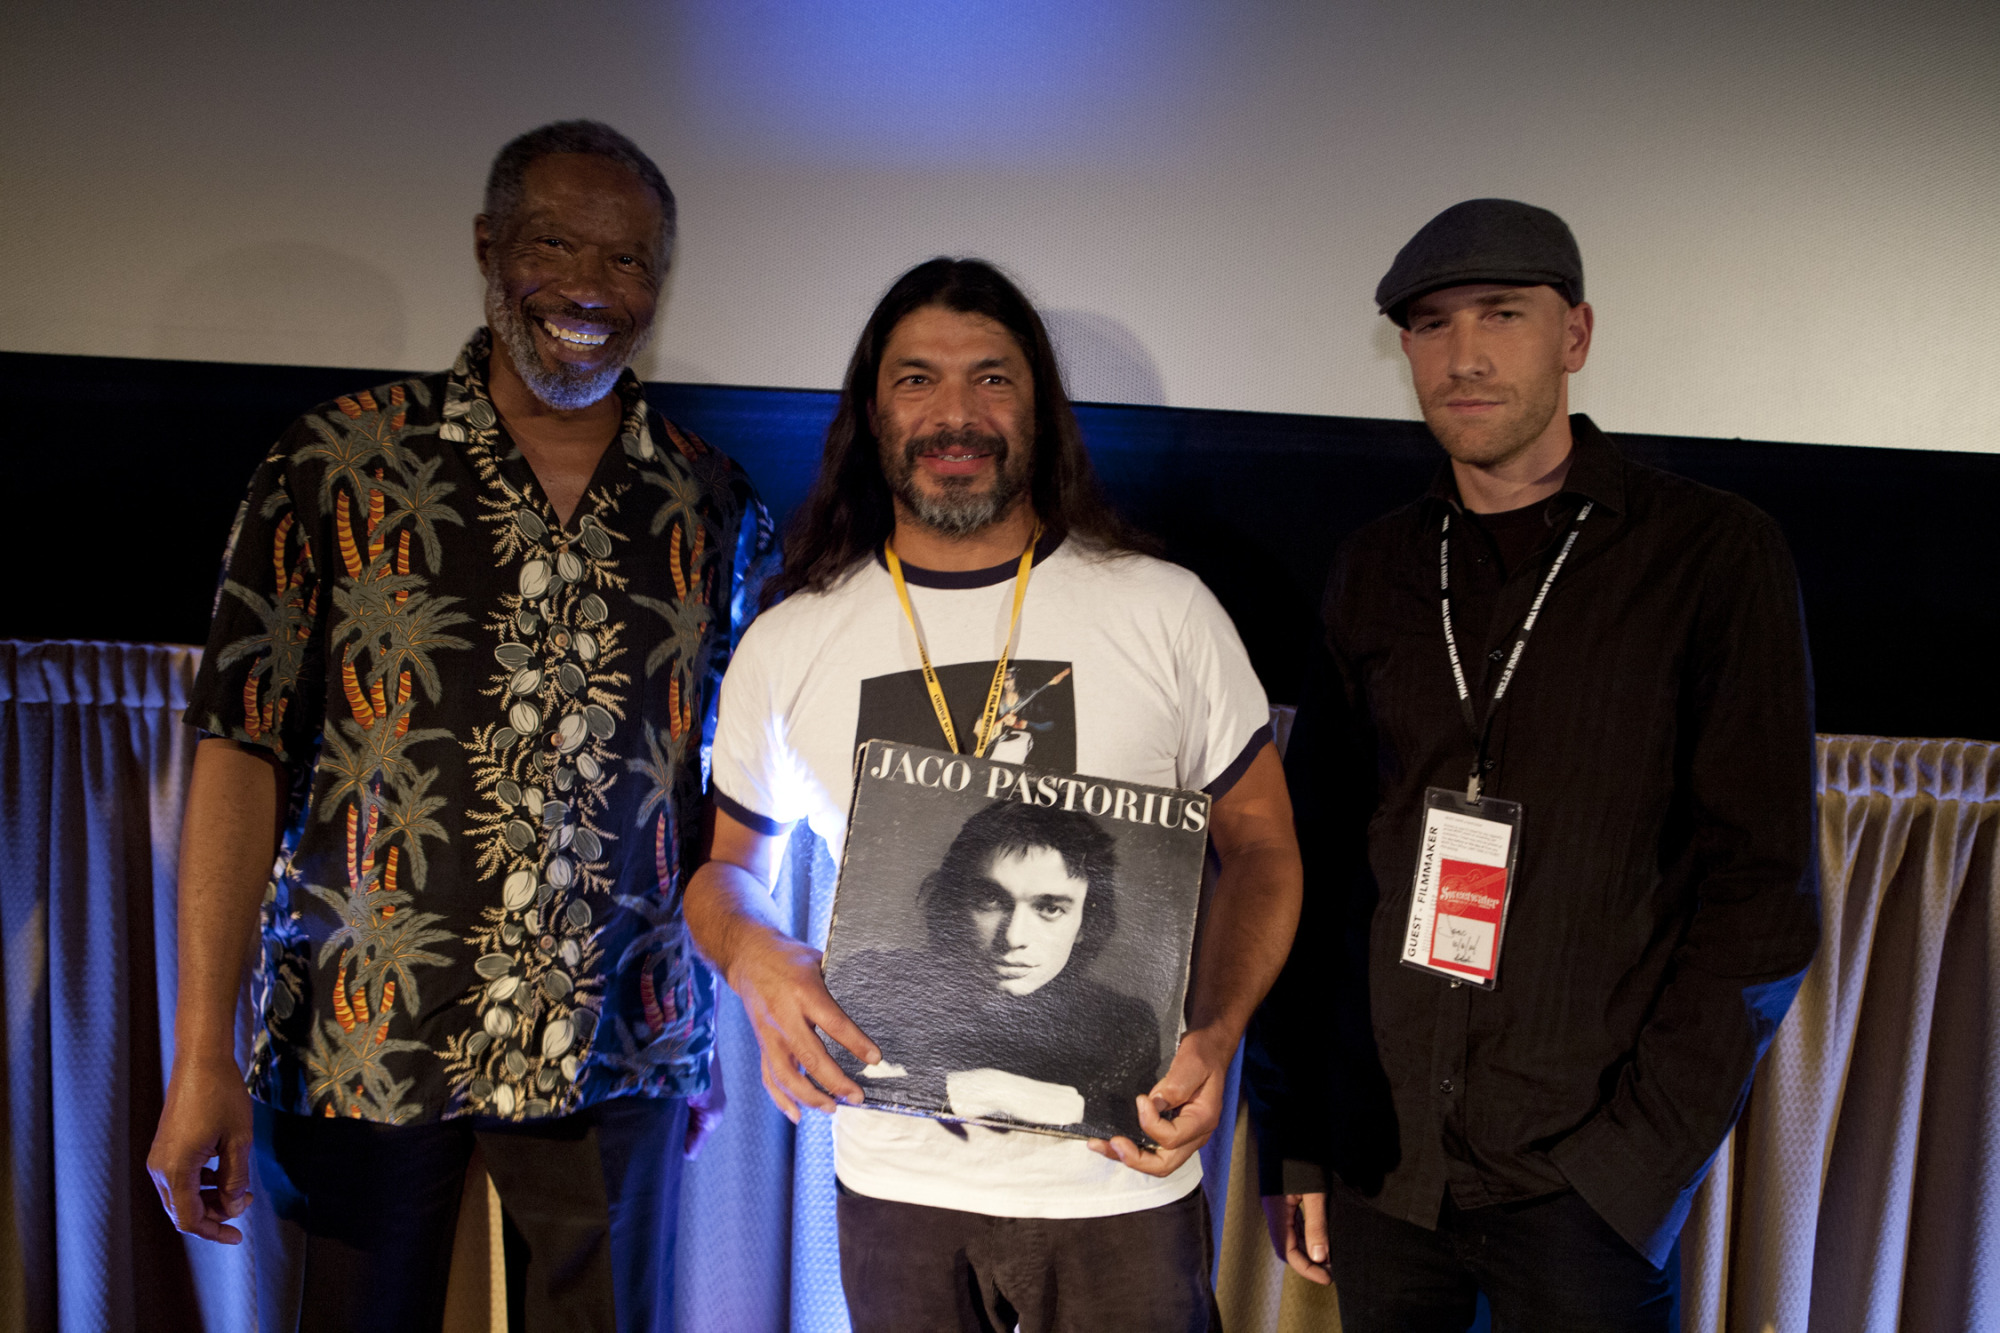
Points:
[(1596, 472)]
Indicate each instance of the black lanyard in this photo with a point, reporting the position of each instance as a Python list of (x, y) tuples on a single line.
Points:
[(1481, 733)]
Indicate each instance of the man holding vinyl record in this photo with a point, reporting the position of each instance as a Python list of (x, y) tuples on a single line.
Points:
[(954, 569)]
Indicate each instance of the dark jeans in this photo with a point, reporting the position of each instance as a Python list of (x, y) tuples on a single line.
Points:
[(1547, 1265), (362, 1218), (907, 1268)]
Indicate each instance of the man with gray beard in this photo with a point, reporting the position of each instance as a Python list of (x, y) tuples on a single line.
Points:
[(462, 661), (955, 550)]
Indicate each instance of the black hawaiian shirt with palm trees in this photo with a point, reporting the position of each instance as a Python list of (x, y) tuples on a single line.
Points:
[(496, 726)]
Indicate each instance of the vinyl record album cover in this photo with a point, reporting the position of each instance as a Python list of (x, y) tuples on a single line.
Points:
[(1015, 941)]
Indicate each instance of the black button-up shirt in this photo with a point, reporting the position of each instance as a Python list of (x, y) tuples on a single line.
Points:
[(1658, 734), (496, 724)]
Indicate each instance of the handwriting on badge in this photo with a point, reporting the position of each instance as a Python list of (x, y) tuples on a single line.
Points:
[(1468, 906), (1458, 901)]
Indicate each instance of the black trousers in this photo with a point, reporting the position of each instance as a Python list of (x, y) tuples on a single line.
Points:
[(1547, 1265), (361, 1217), (907, 1268)]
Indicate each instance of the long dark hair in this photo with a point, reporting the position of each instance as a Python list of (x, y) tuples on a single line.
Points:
[(949, 893), (849, 512)]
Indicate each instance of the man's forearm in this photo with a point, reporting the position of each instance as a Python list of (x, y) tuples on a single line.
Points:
[(229, 836), (1246, 931), (728, 908), (1246, 934)]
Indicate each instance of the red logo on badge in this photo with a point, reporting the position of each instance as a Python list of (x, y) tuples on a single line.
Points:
[(1466, 930)]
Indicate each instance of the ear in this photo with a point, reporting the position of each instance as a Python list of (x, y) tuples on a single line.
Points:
[(482, 243), (1577, 328)]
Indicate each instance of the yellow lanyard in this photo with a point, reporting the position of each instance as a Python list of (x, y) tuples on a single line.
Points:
[(984, 736)]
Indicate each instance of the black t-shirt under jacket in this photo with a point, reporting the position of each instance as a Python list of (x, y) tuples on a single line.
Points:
[(1658, 734)]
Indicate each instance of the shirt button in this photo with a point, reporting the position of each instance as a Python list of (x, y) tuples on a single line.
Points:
[(1497, 655), (1445, 1086)]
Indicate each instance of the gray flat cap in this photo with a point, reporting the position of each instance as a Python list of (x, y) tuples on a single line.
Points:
[(1483, 240)]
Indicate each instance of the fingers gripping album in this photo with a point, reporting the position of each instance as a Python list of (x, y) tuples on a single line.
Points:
[(1016, 942)]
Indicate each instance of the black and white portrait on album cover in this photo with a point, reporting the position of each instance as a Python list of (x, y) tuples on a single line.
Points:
[(1015, 941)]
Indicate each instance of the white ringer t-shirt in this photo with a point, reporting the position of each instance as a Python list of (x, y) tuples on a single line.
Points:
[(1123, 667)]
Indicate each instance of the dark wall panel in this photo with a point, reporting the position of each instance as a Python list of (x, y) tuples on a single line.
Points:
[(124, 475)]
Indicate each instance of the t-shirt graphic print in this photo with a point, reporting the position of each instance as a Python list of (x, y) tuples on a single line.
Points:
[(1036, 724)]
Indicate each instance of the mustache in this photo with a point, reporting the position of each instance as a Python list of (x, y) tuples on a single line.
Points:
[(948, 440), (563, 308), (1503, 393)]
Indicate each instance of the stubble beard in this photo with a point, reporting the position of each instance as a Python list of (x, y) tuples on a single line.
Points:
[(1491, 443), (562, 387), (957, 510)]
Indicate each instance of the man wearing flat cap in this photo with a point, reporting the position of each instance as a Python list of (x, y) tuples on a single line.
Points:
[(1553, 783)]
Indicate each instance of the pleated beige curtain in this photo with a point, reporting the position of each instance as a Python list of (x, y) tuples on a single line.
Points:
[(1861, 1191), (1864, 1177), (94, 762)]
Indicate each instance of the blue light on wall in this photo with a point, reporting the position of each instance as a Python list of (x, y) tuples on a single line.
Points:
[(935, 82)]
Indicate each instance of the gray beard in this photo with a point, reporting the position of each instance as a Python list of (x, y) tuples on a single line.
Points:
[(562, 388), (957, 511)]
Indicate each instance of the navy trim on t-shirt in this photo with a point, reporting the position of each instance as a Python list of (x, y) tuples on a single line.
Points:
[(744, 815), (960, 579), (1240, 764)]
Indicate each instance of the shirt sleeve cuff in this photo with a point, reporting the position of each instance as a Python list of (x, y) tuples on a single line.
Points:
[(1302, 1177), (210, 726), (1240, 765), (1278, 1172), (1289, 1175), (1598, 1163), (745, 816)]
